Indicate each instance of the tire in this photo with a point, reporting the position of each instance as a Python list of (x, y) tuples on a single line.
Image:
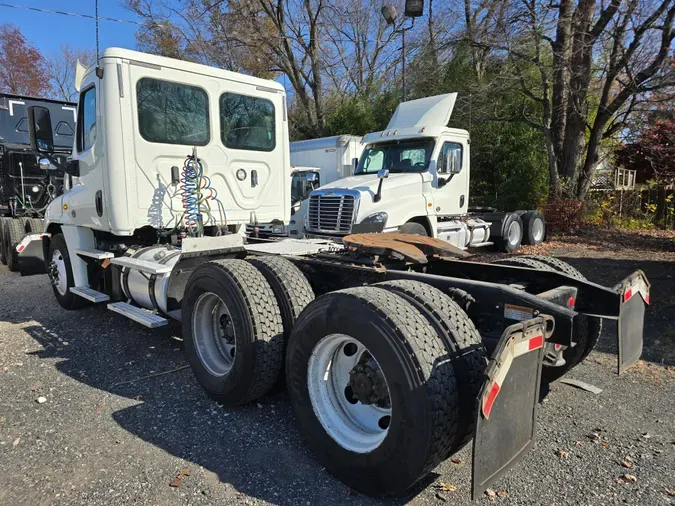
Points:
[(410, 353), (534, 228), (512, 234), (523, 261), (290, 286), (587, 329), (35, 226), (59, 265), (14, 233), (413, 228), (3, 258), (463, 345), (255, 320)]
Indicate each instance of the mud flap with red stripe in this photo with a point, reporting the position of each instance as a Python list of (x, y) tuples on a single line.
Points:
[(507, 404), (634, 292), (31, 257)]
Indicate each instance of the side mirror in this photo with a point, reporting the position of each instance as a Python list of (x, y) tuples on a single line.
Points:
[(453, 161), (383, 173), (40, 130), (312, 177), (47, 165), (72, 167)]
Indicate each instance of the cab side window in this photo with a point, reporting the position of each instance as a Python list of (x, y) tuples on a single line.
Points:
[(86, 121)]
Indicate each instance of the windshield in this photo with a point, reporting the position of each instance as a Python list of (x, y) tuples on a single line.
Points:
[(398, 156), (300, 187)]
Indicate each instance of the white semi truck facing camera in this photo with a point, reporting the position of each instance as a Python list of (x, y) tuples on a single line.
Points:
[(383, 339), (413, 177)]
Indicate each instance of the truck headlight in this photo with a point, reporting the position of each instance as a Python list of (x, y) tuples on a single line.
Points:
[(376, 218), (277, 229)]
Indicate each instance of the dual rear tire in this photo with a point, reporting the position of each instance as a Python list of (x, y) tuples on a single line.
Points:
[(383, 379)]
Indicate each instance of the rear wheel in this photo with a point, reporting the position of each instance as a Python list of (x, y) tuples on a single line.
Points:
[(34, 226), (232, 331), (3, 258), (522, 261), (414, 228), (512, 234), (587, 329), (371, 391), (534, 227), (14, 232), (462, 342)]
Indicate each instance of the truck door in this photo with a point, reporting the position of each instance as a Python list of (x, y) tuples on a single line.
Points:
[(450, 192), (85, 199)]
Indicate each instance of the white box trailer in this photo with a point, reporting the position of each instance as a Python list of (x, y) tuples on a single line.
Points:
[(384, 339), (336, 156)]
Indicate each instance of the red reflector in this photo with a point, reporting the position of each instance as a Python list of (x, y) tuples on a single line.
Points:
[(536, 342), (20, 248), (627, 294), (557, 346), (570, 302), (647, 298), (487, 405)]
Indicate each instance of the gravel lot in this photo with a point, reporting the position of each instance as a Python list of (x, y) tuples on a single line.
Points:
[(99, 441)]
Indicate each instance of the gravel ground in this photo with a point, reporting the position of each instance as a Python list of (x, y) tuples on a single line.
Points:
[(97, 440)]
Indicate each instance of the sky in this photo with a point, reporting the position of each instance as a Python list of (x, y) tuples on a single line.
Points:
[(48, 31)]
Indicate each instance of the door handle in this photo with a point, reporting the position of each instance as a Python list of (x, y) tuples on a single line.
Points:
[(99, 203), (254, 178)]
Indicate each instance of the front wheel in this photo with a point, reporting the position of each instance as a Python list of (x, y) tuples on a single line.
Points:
[(61, 274), (413, 228)]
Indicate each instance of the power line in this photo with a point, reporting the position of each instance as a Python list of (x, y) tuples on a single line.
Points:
[(72, 14)]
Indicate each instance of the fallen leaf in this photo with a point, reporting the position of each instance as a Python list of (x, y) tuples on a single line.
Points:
[(101, 404), (491, 494), (627, 478), (455, 460), (502, 493), (628, 458), (446, 487), (669, 491), (16, 442), (605, 445), (185, 472), (176, 483), (627, 464), (646, 435), (561, 453), (579, 443)]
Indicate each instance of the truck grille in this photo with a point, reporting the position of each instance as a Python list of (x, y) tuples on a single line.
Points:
[(331, 213)]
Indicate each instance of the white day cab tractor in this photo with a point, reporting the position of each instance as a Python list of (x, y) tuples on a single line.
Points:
[(25, 187), (319, 161), (396, 351), (413, 177)]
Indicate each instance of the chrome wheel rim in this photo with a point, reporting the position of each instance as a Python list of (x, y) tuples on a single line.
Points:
[(213, 334), (514, 232), (61, 275), (337, 373), (538, 230)]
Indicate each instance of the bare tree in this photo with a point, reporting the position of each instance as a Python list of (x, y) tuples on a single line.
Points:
[(61, 68), (585, 66)]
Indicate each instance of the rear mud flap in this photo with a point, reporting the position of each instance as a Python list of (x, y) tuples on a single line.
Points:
[(31, 257), (507, 404), (634, 292)]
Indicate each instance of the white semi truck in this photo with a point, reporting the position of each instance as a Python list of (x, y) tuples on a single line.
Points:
[(323, 161), (413, 177), (396, 350)]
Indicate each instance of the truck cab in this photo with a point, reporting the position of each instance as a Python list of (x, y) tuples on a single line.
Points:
[(412, 177)]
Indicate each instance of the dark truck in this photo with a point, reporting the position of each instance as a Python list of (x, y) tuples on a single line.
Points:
[(25, 188)]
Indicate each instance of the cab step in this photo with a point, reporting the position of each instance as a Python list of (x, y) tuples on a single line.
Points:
[(137, 314), (141, 265), (89, 293), (95, 253)]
